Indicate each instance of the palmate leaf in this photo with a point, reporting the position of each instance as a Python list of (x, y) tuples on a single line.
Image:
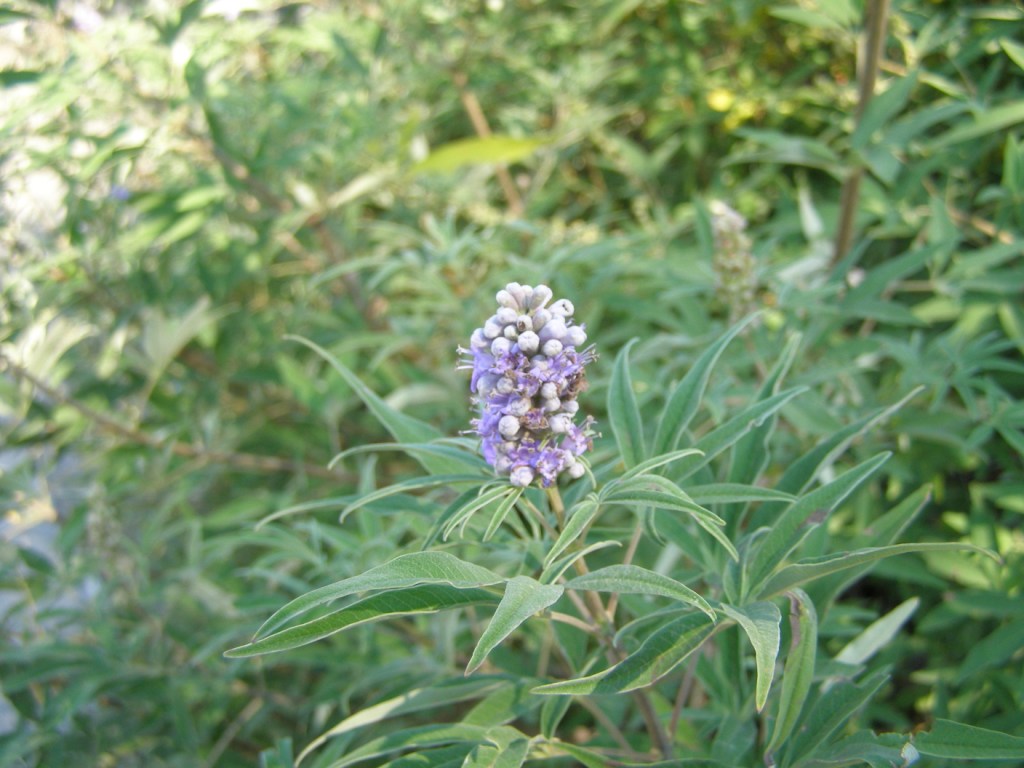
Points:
[(634, 580), (404, 571), (662, 651), (401, 602), (523, 598), (761, 622)]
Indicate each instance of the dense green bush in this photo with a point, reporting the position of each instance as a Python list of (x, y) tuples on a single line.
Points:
[(189, 186)]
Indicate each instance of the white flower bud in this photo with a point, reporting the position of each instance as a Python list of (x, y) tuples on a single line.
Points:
[(524, 323), (485, 384), (528, 342), (504, 386), (559, 423), (527, 295), (506, 315), (505, 299), (562, 308), (570, 407), (502, 464), (492, 329), (478, 340), (552, 404), (508, 426), (517, 293), (500, 346), (511, 332), (541, 296), (551, 347), (553, 329), (540, 317), (575, 336), (548, 390), (521, 476), (519, 407), (576, 471)]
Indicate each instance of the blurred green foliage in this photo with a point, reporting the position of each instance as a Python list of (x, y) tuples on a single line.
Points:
[(185, 183)]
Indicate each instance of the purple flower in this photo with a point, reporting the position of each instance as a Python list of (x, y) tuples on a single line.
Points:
[(528, 364)]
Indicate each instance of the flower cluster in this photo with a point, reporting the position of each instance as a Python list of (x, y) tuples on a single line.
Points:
[(733, 261), (528, 366)]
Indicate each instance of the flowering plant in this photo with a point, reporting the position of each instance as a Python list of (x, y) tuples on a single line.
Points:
[(646, 594)]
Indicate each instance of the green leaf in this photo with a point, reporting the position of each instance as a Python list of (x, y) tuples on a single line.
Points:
[(751, 453), (478, 151), (809, 511), (829, 713), (523, 598), (727, 493), (623, 411), (411, 484), (443, 694), (993, 651), (502, 512), (581, 516), (423, 736), (957, 741), (645, 467), (992, 120), (404, 428), (682, 404), (660, 653), (437, 757), (425, 599), (721, 437), (798, 673), (632, 579), (761, 623), (402, 572), (461, 517), (877, 635), (816, 567), (554, 571)]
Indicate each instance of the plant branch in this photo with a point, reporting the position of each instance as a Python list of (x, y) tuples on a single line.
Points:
[(247, 462), (876, 19)]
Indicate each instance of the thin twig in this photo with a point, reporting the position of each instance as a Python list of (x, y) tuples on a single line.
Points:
[(634, 542), (876, 19), (248, 462), (483, 129)]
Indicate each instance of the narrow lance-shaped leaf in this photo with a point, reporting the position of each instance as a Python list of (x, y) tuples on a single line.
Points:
[(632, 579), (795, 522), (421, 737), (581, 516), (956, 741), (878, 634), (411, 484), (686, 397), (424, 599), (523, 598), (403, 571), (798, 673), (761, 623), (808, 570), (403, 428), (661, 652), (623, 411)]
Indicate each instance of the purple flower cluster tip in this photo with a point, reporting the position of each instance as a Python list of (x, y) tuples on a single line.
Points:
[(528, 364)]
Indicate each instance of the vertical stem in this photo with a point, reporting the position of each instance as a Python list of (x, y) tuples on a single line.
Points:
[(869, 58), (655, 728)]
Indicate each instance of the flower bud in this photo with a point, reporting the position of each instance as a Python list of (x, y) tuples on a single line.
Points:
[(492, 329), (575, 336), (562, 308), (506, 315), (521, 476), (553, 329), (524, 323), (528, 342), (551, 347), (500, 346), (552, 404), (548, 390), (505, 299), (511, 332), (541, 296), (508, 426), (540, 317)]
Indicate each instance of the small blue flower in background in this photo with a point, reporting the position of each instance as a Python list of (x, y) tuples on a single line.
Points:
[(119, 192), (528, 364)]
